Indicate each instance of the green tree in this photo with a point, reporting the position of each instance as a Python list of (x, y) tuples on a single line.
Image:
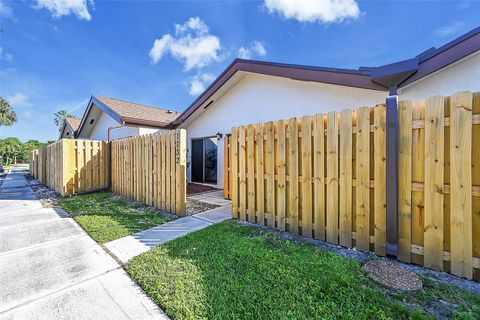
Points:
[(28, 147), (59, 118), (11, 148), (7, 115)]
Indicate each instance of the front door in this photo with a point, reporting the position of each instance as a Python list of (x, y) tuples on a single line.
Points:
[(204, 160)]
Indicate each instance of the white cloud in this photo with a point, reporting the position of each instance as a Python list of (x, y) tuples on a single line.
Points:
[(449, 30), (256, 48), (5, 10), (19, 100), (5, 55), (59, 8), (192, 45), (27, 115), (199, 82), (324, 11)]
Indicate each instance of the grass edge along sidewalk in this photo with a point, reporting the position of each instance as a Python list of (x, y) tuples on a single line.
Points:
[(233, 271), (106, 217)]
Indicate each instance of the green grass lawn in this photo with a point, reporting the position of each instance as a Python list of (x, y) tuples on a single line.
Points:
[(106, 217), (230, 271)]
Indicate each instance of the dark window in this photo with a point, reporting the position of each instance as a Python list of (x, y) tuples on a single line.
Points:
[(204, 160)]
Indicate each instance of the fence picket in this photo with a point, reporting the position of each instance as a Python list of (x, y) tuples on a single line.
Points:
[(346, 175), (281, 172), (251, 173), (434, 161), (380, 172), (260, 190), (461, 184), (319, 176), (332, 177), (362, 190), (307, 206), (405, 181), (293, 175)]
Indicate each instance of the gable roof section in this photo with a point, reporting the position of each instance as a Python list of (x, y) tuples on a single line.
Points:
[(73, 123), (381, 78), (130, 113)]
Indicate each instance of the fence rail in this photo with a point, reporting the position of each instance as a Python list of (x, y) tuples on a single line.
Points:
[(332, 185), (152, 169), (72, 166)]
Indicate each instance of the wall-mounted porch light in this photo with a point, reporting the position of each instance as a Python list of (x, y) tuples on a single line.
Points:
[(219, 136)]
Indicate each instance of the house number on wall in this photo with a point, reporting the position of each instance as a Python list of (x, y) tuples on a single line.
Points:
[(177, 147)]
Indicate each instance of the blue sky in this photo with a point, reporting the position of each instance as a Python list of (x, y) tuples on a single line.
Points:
[(56, 53)]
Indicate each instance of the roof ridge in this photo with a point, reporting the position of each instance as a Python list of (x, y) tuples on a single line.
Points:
[(140, 104)]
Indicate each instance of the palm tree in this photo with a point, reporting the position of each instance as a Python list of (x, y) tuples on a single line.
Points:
[(60, 116), (7, 115)]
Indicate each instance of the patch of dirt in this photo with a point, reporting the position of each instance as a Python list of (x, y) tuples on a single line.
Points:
[(195, 206), (193, 188), (393, 275)]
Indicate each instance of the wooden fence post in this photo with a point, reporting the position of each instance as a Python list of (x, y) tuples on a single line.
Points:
[(392, 174)]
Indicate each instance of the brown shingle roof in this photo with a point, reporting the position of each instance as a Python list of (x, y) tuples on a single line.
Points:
[(140, 114), (73, 122)]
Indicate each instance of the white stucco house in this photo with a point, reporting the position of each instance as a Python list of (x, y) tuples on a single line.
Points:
[(69, 128), (250, 92), (109, 118)]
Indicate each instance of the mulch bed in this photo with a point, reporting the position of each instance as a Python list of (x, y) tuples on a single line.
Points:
[(193, 188)]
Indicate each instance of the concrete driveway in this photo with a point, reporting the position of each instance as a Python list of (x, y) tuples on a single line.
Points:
[(51, 269)]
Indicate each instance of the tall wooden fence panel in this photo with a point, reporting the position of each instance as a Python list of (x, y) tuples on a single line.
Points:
[(72, 166), (152, 169), (321, 176), (439, 186), (332, 185)]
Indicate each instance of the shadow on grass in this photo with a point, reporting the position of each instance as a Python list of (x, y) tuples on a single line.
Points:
[(231, 271)]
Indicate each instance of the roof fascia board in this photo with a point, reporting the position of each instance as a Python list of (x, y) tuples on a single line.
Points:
[(145, 123), (105, 108), (447, 55), (102, 106), (344, 77), (63, 129)]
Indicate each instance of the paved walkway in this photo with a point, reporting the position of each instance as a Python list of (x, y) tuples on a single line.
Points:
[(212, 197), (51, 269), (131, 246)]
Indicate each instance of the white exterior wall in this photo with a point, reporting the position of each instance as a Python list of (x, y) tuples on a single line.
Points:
[(463, 75), (100, 131), (260, 98), (143, 130)]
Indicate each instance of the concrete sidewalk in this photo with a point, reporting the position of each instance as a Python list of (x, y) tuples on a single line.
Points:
[(51, 269), (124, 249)]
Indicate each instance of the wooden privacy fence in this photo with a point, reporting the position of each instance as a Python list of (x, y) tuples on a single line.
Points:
[(152, 169), (439, 183), (324, 176), (72, 166)]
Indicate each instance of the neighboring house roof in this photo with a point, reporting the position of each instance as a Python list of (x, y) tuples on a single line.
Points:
[(383, 78), (130, 113), (73, 123)]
